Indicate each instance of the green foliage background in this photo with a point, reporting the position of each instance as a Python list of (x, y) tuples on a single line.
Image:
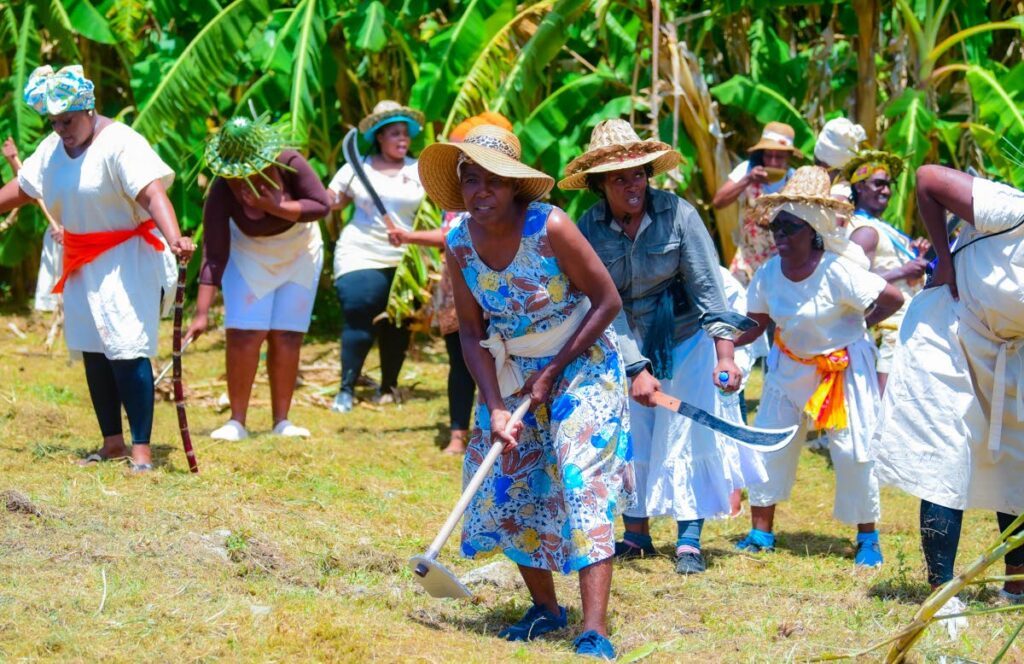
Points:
[(934, 80)]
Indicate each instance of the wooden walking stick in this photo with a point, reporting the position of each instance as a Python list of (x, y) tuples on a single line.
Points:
[(179, 391)]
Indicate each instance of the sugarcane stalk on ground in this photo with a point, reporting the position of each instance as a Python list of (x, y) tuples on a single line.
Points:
[(179, 391)]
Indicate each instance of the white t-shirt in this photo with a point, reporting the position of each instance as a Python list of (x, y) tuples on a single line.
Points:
[(822, 313), (111, 305), (364, 242)]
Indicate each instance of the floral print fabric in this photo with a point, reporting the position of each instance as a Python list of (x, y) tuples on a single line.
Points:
[(551, 502)]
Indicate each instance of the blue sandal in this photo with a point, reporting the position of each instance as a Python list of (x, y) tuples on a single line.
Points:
[(536, 621)]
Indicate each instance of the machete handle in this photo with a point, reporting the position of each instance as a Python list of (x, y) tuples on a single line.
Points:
[(666, 401)]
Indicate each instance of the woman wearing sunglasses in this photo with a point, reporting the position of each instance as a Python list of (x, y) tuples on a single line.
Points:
[(821, 297)]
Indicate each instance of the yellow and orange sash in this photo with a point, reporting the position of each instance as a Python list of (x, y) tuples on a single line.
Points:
[(827, 406)]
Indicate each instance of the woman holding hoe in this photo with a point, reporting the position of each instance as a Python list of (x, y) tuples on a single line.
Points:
[(550, 502)]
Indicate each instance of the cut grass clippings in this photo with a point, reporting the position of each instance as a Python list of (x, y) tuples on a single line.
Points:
[(296, 550)]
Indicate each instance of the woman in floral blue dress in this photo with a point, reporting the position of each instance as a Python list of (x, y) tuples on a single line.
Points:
[(551, 500)]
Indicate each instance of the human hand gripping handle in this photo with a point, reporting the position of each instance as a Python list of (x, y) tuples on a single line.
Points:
[(510, 424)]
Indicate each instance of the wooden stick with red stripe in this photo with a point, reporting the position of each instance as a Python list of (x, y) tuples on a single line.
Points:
[(179, 391)]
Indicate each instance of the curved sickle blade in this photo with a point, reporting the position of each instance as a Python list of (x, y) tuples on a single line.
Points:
[(762, 440)]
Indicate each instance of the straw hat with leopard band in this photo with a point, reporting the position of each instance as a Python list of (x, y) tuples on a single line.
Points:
[(493, 148), (614, 146)]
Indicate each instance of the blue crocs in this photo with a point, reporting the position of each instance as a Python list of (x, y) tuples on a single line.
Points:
[(757, 541), (592, 644), (869, 552), (536, 621)]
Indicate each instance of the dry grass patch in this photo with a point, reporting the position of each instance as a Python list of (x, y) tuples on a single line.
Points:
[(296, 550)]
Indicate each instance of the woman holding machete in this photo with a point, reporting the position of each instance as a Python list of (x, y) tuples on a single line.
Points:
[(365, 257), (263, 248), (550, 502), (108, 187), (821, 296), (664, 265)]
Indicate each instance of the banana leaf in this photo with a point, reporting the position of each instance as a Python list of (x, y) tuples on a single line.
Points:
[(910, 136), (998, 100), (766, 104)]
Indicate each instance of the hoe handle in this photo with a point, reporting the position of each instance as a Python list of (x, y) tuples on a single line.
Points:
[(474, 484)]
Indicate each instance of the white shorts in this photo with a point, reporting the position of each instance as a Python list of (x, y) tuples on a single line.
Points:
[(289, 307)]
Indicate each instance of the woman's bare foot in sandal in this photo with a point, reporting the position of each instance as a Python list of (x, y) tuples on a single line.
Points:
[(457, 443), (113, 449)]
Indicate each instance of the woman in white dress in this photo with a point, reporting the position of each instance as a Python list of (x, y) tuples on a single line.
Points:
[(108, 187), (365, 257), (951, 428), (821, 369), (675, 331)]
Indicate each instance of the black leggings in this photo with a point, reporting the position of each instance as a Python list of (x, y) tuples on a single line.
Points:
[(461, 388), (364, 296), (940, 537), (116, 383)]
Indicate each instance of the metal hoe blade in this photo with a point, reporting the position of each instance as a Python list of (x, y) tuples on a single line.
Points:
[(436, 579)]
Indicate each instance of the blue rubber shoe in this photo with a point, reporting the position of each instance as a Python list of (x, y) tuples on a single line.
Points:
[(869, 552), (757, 541), (536, 621), (592, 644)]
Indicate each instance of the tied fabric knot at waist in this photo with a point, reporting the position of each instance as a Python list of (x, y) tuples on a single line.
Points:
[(83, 248), (537, 344), (1007, 348), (827, 405)]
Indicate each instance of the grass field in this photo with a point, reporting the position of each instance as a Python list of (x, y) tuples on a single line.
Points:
[(291, 550)]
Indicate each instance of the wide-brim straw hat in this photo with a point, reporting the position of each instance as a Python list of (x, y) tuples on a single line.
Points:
[(810, 185), (244, 147), (615, 146), (873, 159), (495, 149), (388, 112), (777, 136)]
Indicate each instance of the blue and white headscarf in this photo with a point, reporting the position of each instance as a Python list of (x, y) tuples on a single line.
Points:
[(53, 93)]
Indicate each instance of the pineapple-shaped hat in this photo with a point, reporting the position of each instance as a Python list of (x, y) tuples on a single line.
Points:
[(244, 147)]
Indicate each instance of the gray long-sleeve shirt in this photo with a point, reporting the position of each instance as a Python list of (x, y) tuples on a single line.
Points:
[(674, 243)]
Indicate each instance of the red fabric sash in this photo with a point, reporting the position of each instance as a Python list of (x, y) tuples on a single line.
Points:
[(83, 248)]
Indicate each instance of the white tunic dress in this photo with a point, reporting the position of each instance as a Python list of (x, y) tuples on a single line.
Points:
[(818, 315), (111, 305), (951, 429)]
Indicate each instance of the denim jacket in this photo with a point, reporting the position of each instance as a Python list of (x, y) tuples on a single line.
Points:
[(673, 250)]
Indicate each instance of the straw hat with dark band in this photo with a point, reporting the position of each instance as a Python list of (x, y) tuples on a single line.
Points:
[(388, 112), (494, 149), (614, 146)]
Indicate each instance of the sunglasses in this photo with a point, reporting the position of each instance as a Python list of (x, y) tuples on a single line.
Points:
[(780, 226), (878, 184)]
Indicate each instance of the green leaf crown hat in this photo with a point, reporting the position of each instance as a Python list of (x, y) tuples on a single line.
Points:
[(245, 146)]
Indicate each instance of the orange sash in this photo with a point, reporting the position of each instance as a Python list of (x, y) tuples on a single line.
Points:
[(83, 248), (827, 406)]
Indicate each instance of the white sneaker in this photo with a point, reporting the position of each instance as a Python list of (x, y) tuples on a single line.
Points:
[(232, 431), (953, 626), (286, 428)]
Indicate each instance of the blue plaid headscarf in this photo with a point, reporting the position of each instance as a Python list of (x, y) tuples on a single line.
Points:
[(53, 93)]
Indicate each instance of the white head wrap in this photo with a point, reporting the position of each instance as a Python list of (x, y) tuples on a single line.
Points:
[(838, 142)]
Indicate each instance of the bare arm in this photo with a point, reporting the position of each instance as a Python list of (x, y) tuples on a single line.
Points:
[(11, 196), (940, 189), (153, 198), (867, 239), (889, 302), (728, 193), (339, 201), (430, 238), (751, 335)]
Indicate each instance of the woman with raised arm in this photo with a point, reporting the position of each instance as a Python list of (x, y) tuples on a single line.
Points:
[(951, 429), (550, 502), (109, 189), (821, 369)]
